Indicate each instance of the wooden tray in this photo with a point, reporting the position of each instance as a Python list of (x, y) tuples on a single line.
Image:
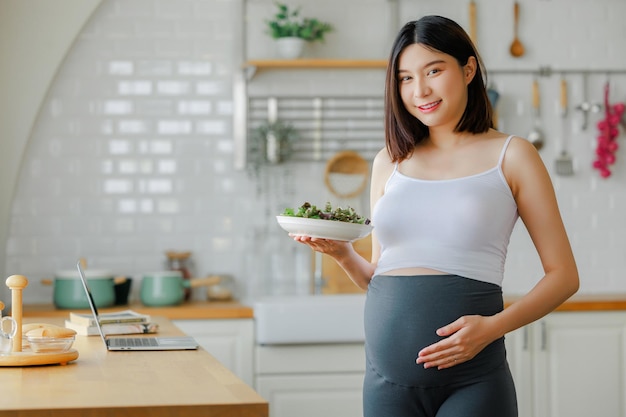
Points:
[(28, 358)]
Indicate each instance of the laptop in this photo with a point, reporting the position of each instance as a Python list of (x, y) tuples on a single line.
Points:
[(134, 343)]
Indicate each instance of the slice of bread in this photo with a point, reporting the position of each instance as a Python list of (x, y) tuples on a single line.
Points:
[(46, 330)]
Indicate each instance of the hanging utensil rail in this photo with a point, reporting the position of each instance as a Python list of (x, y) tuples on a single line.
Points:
[(325, 125), (546, 71)]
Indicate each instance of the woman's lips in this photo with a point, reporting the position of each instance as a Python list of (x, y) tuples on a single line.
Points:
[(427, 108)]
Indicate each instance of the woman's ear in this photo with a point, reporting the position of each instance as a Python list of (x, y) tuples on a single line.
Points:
[(469, 69)]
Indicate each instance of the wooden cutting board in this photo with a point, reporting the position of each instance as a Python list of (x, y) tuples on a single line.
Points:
[(336, 281)]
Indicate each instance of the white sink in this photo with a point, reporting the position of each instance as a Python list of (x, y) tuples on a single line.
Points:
[(309, 319)]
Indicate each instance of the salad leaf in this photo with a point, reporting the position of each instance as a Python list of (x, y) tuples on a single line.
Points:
[(307, 210)]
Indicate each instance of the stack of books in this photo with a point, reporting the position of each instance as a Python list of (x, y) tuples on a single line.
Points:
[(119, 322)]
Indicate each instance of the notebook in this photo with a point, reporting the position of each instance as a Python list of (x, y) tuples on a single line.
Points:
[(134, 343)]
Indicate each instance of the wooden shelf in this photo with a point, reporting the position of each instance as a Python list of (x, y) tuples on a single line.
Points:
[(315, 63), (253, 66)]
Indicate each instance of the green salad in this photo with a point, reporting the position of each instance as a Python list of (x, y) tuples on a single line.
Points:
[(309, 211)]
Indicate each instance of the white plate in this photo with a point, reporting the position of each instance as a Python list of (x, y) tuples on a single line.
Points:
[(325, 229)]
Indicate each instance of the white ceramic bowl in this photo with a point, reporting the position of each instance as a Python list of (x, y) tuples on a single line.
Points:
[(325, 229)]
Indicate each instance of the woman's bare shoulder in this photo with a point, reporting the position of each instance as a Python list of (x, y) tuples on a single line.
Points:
[(520, 150), (382, 168), (382, 161), (523, 164)]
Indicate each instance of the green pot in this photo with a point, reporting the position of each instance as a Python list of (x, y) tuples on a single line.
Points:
[(69, 292), (163, 288)]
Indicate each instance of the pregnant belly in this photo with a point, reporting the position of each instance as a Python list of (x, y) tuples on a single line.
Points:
[(402, 314)]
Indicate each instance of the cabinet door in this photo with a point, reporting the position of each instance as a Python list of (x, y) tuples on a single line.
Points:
[(519, 356), (324, 395), (580, 365), (230, 341)]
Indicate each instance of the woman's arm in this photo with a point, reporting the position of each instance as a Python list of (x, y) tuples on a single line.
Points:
[(359, 269), (538, 208)]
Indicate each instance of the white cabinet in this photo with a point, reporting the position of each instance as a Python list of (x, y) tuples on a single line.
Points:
[(230, 341), (323, 380), (519, 357), (571, 364)]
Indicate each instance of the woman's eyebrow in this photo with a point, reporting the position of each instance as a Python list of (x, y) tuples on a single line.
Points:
[(429, 64)]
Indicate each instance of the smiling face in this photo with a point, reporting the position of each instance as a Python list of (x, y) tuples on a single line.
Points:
[(433, 86)]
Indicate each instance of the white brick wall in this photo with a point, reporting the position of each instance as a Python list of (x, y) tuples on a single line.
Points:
[(132, 152)]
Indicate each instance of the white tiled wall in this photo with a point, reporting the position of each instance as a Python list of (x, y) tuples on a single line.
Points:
[(132, 153)]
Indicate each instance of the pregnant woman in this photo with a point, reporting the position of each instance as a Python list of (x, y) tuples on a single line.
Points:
[(446, 192)]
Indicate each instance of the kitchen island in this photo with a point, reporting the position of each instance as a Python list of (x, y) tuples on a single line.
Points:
[(101, 383)]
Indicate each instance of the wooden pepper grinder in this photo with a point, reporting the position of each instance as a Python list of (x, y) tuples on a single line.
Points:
[(179, 261), (17, 283)]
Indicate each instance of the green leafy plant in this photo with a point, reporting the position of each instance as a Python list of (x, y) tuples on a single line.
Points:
[(288, 23), (270, 143)]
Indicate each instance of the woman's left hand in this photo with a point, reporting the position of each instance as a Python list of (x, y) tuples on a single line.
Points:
[(464, 339)]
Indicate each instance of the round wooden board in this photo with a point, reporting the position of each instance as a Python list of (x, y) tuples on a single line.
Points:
[(31, 359)]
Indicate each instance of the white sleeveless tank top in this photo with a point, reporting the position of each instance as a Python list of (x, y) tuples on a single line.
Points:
[(460, 226)]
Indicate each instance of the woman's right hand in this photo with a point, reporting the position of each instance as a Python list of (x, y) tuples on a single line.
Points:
[(359, 269), (333, 248)]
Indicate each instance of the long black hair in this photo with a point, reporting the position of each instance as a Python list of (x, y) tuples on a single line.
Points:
[(402, 130)]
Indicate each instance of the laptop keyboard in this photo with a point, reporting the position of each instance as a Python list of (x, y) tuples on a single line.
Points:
[(135, 341)]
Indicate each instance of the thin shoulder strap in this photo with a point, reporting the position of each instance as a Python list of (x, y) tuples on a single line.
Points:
[(393, 173), (506, 145)]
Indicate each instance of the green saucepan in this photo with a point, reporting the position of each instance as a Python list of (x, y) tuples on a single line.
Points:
[(69, 292), (167, 288)]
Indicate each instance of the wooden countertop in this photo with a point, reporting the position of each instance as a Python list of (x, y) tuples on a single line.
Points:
[(235, 310), (190, 310), (101, 384), (587, 302)]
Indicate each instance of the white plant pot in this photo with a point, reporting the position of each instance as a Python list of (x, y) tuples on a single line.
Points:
[(290, 48)]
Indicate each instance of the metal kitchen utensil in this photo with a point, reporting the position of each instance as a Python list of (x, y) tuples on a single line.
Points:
[(536, 134), (517, 48), (586, 106), (564, 164), (347, 174)]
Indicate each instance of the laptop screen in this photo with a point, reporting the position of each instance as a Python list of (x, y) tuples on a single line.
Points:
[(90, 300)]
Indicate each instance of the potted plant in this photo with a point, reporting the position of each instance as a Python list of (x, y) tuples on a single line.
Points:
[(291, 31), (270, 143)]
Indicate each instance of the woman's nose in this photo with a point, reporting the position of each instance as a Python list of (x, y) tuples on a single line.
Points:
[(420, 89)]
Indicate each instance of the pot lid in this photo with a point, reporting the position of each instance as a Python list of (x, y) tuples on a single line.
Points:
[(163, 274), (89, 273)]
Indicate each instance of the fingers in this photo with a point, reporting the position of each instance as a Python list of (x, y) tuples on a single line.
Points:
[(451, 328), (441, 360), (327, 246), (462, 340), (445, 353), (316, 244)]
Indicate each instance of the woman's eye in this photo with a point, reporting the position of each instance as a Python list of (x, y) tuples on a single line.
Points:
[(433, 71), (404, 78)]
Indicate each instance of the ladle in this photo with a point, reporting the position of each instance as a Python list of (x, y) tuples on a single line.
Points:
[(517, 48)]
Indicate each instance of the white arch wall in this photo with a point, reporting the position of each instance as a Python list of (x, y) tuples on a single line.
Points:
[(35, 35)]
